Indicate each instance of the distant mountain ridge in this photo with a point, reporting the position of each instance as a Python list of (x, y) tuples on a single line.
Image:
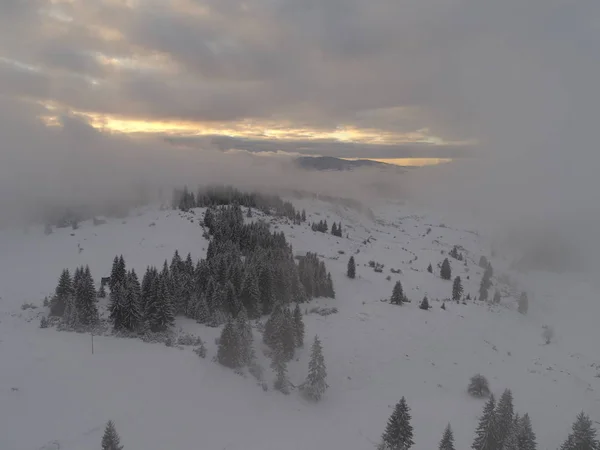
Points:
[(333, 163)]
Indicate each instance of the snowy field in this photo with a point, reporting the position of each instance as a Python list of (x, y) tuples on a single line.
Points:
[(55, 394)]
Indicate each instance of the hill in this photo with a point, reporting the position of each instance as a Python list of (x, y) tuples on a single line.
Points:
[(332, 163)]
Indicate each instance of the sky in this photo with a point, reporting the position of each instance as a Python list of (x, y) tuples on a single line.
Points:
[(90, 89)]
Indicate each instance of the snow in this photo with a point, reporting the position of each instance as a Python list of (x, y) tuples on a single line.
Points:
[(54, 393)]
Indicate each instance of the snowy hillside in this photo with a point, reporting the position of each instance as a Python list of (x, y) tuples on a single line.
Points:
[(55, 394)]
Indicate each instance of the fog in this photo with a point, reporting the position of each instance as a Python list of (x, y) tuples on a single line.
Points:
[(519, 78)]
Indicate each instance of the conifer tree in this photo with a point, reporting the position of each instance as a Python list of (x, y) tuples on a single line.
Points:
[(334, 229), (315, 385), (279, 366), (486, 283), (101, 291), (457, 289), (497, 297), (351, 273), (447, 442), (111, 439), (132, 303), (478, 386), (63, 291), (583, 435), (85, 300), (244, 332), (202, 312), (511, 441), (398, 434), (446, 270), (523, 303), (504, 416), (228, 353), (424, 304), (298, 326), (162, 316), (526, 436), (70, 316), (429, 268), (117, 306), (486, 437), (303, 216), (397, 294)]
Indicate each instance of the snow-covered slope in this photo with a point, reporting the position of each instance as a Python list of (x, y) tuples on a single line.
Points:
[(55, 394)]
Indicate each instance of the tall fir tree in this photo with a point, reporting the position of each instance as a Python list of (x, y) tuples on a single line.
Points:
[(162, 316), (132, 302), (457, 289), (583, 435), (116, 306), (511, 441), (228, 353), (486, 436), (202, 312), (398, 434), (246, 340), (429, 268), (504, 417), (351, 272), (63, 291), (315, 385), (334, 229), (397, 294), (446, 270), (485, 284), (111, 439), (447, 442), (526, 437), (497, 297), (279, 366), (298, 326), (70, 316), (85, 300)]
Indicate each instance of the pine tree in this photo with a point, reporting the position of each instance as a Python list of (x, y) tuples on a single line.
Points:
[(162, 316), (523, 303), (116, 306), (397, 294), (478, 386), (583, 435), (70, 316), (398, 434), (334, 229), (430, 268), (298, 326), (85, 298), (101, 291), (446, 270), (447, 442), (246, 340), (132, 302), (504, 416), (315, 385), (303, 216), (111, 439), (202, 312), (486, 437), (526, 436), (63, 291), (511, 441), (351, 273), (228, 353), (486, 283), (457, 290), (497, 297), (424, 304), (279, 366)]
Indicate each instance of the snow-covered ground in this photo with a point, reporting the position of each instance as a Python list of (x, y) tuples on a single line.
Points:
[(55, 394)]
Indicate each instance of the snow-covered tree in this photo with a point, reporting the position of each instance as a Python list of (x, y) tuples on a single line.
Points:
[(351, 272), (244, 331), (398, 434), (279, 366), (63, 291), (85, 298), (162, 316), (202, 312), (430, 268), (583, 435), (315, 384), (526, 436), (497, 297), (447, 442), (478, 386), (397, 294), (228, 353), (70, 316), (111, 439), (504, 416), (511, 441), (486, 283), (446, 270), (116, 306), (457, 289), (523, 303), (298, 326), (486, 435), (424, 304)]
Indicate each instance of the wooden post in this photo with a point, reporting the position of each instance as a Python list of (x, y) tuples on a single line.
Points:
[(92, 342)]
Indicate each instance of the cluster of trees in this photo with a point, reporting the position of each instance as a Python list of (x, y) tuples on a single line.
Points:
[(314, 276), (336, 229), (321, 226), (75, 299), (454, 253), (212, 196)]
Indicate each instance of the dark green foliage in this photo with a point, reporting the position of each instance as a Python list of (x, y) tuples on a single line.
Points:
[(116, 306), (446, 270), (582, 437), (424, 304), (303, 216), (279, 366), (523, 303), (246, 340), (336, 229), (111, 439), (228, 353), (298, 327), (250, 294), (397, 294), (160, 316), (457, 289), (279, 333), (486, 436), (430, 268), (118, 272), (454, 253), (315, 385), (85, 298), (314, 277), (351, 272), (504, 416), (447, 442), (321, 226), (525, 435), (398, 434), (101, 291), (478, 386), (63, 291)]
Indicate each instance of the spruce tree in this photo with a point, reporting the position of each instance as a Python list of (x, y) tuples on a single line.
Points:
[(228, 353), (351, 273), (497, 297), (116, 306), (303, 216), (457, 289), (478, 386), (504, 416), (334, 229), (511, 441), (485, 285), (446, 270), (486, 437), (111, 439), (298, 326), (397, 294), (279, 366), (447, 442), (315, 385), (526, 436), (430, 268), (424, 304), (70, 316), (245, 342), (583, 435), (398, 434), (523, 303), (101, 291), (162, 316), (132, 303), (85, 300), (63, 291), (202, 312)]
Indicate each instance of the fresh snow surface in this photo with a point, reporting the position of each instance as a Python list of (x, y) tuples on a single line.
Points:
[(55, 394)]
